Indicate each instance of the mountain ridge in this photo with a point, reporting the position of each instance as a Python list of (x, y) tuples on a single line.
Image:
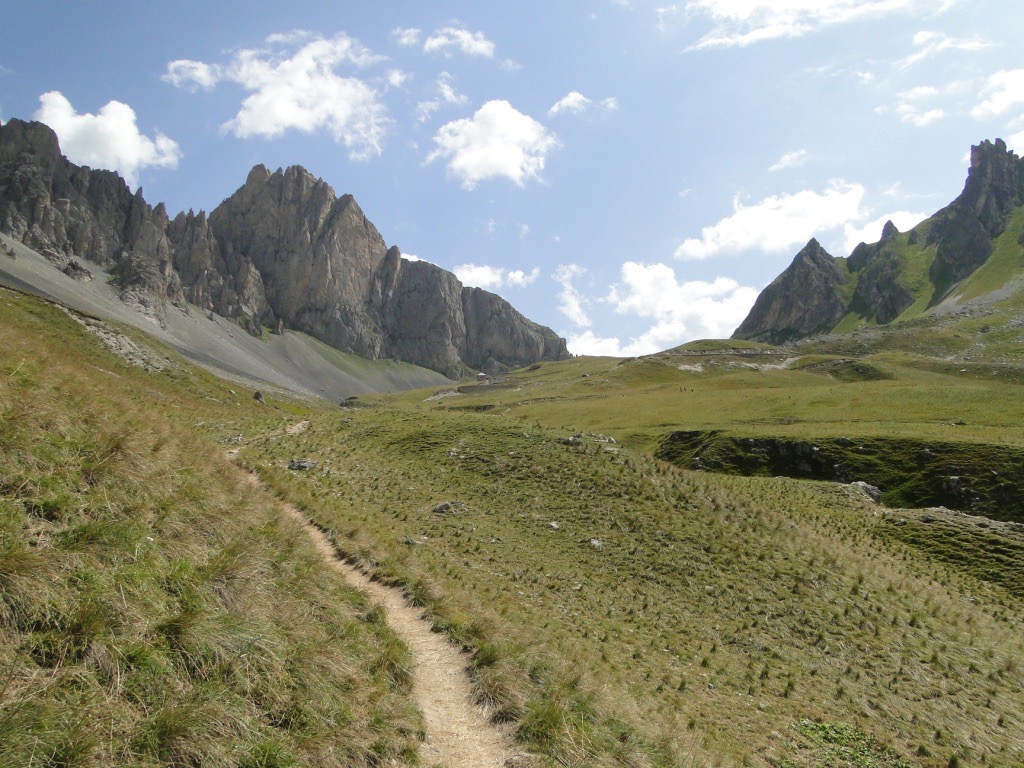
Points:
[(903, 275), (283, 251)]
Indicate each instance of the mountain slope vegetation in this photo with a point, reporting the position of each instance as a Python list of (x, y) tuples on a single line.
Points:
[(154, 609), (967, 258)]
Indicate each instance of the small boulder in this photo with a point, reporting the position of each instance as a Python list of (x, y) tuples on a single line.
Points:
[(871, 491), (449, 508), (301, 464)]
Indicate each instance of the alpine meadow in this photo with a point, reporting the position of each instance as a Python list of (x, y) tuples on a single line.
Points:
[(802, 546)]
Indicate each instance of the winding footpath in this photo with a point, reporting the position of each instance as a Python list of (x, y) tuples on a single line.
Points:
[(459, 733)]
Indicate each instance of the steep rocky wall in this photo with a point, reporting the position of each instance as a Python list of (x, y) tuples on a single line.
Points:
[(71, 213), (282, 251)]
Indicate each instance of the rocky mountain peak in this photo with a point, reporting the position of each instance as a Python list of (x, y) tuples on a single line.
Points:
[(963, 231), (806, 298), (957, 240), (283, 251)]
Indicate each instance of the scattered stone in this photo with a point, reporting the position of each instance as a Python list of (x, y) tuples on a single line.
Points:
[(596, 543), (301, 464), (449, 508), (927, 518), (412, 542), (871, 491), (554, 526)]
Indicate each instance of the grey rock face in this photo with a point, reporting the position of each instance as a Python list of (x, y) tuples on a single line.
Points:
[(963, 231), (283, 251), (327, 270), (69, 212), (806, 298)]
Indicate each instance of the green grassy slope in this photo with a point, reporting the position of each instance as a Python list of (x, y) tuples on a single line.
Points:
[(154, 610), (625, 612), (620, 611)]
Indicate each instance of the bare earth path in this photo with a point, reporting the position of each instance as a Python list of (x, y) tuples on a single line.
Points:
[(459, 733)]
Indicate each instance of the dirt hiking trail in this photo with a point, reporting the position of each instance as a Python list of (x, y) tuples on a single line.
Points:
[(459, 732)]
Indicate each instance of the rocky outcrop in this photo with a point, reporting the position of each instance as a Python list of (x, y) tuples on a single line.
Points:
[(964, 230), (953, 243), (283, 251), (67, 213), (807, 298), (327, 271)]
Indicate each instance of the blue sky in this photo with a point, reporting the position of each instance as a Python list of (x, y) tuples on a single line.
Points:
[(629, 173)]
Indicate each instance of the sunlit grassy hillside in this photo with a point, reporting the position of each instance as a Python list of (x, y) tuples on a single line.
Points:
[(625, 612), (619, 610), (154, 610)]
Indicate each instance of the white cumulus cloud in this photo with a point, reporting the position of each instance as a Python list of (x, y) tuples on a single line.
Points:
[(298, 88), (110, 139), (494, 278), (681, 311), (702, 309), (450, 39), (1003, 91), (746, 22), (571, 300), (498, 141), (777, 223)]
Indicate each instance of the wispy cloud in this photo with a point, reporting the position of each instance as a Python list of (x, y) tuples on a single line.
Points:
[(571, 301), (447, 40), (406, 36), (576, 103), (789, 160), (444, 94), (912, 106), (934, 43), (737, 24)]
